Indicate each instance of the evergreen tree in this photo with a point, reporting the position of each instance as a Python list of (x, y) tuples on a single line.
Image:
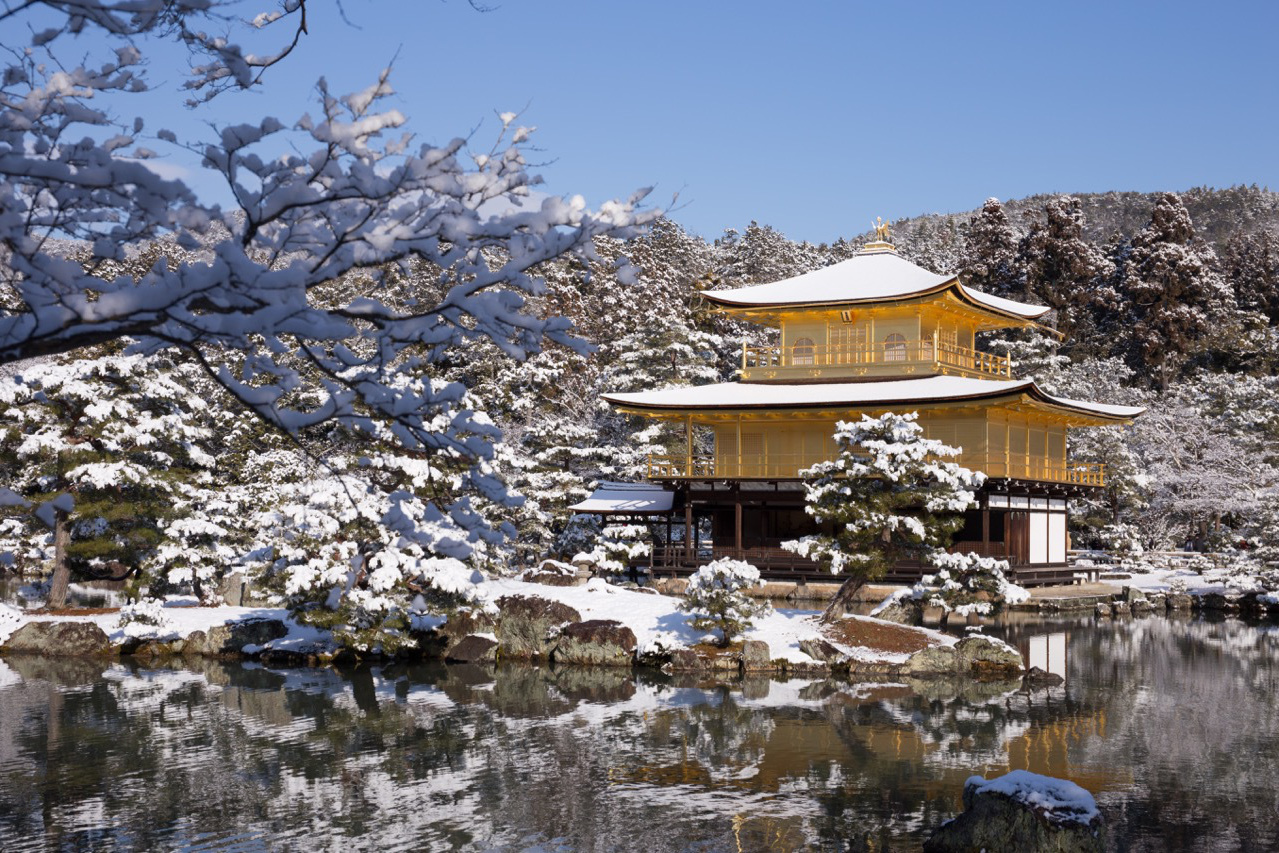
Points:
[(989, 259), (716, 595), (1063, 269), (1180, 300), (1250, 263), (762, 254), (890, 495), (129, 440)]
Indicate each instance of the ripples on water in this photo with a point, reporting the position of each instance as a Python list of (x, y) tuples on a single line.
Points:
[(1171, 724)]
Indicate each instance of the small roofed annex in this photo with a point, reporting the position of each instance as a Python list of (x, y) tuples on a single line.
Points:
[(872, 334)]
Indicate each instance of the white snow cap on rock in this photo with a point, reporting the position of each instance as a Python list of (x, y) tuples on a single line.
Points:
[(1061, 799)]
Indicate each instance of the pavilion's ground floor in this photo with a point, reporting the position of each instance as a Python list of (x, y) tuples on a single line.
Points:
[(1023, 522)]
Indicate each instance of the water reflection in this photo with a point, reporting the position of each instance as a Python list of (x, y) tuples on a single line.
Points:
[(1170, 723)]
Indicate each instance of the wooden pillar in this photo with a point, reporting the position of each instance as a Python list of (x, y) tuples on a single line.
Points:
[(669, 550), (737, 518), (985, 530), (689, 552), (688, 438), (739, 444)]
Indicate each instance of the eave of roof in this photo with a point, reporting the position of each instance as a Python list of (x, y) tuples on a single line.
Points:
[(739, 396), (866, 278)]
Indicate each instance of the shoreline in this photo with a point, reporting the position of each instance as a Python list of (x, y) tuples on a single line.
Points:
[(592, 625)]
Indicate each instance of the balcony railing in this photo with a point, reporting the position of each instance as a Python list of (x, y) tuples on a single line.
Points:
[(788, 467), (940, 357)]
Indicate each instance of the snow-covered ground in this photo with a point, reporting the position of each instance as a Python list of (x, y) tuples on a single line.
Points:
[(656, 619), (1196, 583), (659, 624), (182, 620)]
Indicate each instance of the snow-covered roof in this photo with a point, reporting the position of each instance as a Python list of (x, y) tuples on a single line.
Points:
[(868, 276), (745, 395), (1006, 306), (627, 498)]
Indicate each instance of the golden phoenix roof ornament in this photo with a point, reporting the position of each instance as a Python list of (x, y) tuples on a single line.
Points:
[(881, 230)]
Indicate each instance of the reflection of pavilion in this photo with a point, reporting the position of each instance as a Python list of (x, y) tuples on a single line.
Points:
[(1047, 651)]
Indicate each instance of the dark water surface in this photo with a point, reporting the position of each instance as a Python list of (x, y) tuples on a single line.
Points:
[(1173, 725)]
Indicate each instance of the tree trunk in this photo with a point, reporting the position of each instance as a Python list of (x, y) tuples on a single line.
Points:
[(61, 562), (843, 598)]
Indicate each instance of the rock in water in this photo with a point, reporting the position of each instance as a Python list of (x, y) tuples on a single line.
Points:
[(473, 649), (528, 626), (1022, 812), (986, 656), (756, 656), (982, 657), (934, 660), (596, 642), (58, 639), (826, 652), (230, 639)]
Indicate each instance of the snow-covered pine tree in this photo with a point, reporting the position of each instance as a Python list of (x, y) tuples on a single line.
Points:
[(1063, 269), (1182, 304), (762, 254), (129, 438), (1250, 264), (338, 195), (968, 584), (989, 259), (891, 494)]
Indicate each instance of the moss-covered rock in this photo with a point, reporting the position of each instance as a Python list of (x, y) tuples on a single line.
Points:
[(596, 642), (528, 627), (58, 639)]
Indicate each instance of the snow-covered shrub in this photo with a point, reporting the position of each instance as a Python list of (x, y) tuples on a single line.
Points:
[(578, 536), (963, 584), (1123, 541), (617, 548), (967, 584), (716, 595), (145, 620)]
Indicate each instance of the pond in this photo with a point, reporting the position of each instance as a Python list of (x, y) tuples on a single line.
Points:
[(1173, 725)]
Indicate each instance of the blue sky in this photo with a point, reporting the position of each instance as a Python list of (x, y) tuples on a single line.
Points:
[(815, 117)]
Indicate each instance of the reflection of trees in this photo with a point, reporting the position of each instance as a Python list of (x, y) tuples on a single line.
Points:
[(1172, 723), (1192, 705)]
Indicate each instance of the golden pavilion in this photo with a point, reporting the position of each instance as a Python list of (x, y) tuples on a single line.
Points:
[(868, 335)]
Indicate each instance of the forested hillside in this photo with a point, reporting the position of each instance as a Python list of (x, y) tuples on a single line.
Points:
[(1166, 301)]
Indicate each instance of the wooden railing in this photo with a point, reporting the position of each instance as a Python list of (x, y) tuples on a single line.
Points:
[(788, 466), (903, 353)]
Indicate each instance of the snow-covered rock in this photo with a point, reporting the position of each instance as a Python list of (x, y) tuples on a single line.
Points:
[(1024, 812)]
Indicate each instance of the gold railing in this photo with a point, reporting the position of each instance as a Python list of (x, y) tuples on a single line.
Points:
[(787, 466), (898, 353)]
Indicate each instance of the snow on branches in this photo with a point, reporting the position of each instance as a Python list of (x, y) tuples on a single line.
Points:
[(261, 293), (891, 493), (716, 594)]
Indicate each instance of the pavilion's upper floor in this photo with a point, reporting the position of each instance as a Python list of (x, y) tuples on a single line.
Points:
[(873, 316)]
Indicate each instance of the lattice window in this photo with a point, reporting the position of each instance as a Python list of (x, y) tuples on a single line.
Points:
[(803, 351), (895, 347), (847, 344)]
